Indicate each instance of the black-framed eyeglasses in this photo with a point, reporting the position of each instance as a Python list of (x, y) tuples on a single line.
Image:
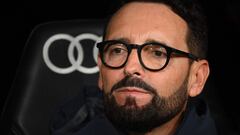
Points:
[(153, 56)]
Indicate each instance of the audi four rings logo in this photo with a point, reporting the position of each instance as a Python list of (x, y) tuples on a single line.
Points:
[(76, 63)]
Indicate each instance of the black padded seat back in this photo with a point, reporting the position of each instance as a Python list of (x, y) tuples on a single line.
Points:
[(59, 59)]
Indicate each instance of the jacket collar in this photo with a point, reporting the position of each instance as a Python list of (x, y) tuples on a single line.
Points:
[(197, 120)]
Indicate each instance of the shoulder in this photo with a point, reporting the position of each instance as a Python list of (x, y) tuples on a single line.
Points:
[(197, 119), (99, 125)]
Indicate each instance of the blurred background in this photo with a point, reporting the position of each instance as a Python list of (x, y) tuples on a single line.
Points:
[(20, 17)]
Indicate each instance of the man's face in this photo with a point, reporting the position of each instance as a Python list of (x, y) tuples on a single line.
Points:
[(133, 91)]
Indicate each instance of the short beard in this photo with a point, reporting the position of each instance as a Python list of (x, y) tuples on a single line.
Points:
[(132, 118)]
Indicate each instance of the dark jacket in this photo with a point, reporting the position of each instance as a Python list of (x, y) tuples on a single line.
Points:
[(84, 116)]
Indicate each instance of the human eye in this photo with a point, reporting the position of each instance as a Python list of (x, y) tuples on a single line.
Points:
[(119, 49), (155, 51)]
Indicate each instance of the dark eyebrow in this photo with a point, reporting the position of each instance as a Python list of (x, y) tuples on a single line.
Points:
[(124, 40), (155, 41)]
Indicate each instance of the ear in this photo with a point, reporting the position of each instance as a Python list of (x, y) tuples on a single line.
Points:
[(100, 83), (199, 73)]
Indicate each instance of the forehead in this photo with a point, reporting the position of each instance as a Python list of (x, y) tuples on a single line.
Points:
[(139, 22)]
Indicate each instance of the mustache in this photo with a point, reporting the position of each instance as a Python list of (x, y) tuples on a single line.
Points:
[(130, 81)]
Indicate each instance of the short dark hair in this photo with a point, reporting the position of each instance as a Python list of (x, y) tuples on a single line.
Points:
[(193, 13)]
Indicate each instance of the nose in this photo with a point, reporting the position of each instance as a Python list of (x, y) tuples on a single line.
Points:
[(133, 65)]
